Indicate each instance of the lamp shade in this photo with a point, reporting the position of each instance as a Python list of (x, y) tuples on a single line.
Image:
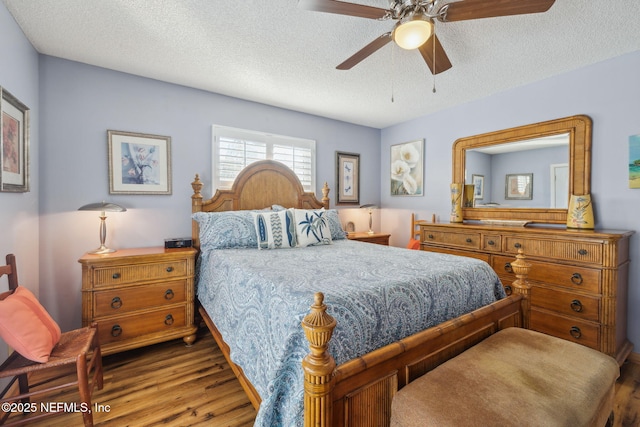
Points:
[(103, 207), (413, 31)]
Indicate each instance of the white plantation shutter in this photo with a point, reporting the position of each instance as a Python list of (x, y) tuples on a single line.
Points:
[(233, 149)]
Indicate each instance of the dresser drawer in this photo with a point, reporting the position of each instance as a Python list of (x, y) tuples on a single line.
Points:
[(582, 332), (567, 276), (492, 242), (135, 325), (133, 273), (477, 255), (567, 303), (463, 240), (555, 249), (115, 301)]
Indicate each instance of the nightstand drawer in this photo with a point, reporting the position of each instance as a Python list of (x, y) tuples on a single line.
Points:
[(582, 332), (124, 300), (136, 325), (121, 274), (569, 304), (463, 240), (568, 276)]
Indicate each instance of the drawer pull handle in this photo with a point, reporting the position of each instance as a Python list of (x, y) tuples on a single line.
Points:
[(116, 331), (517, 245), (169, 294), (508, 290), (430, 236), (576, 306), (508, 268), (169, 269), (575, 332), (576, 279), (115, 276), (583, 252), (168, 320), (491, 243), (469, 240), (116, 303)]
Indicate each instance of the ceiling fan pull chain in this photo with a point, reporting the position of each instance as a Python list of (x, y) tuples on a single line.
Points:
[(434, 58)]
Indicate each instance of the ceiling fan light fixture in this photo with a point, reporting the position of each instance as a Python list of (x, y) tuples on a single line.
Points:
[(413, 31)]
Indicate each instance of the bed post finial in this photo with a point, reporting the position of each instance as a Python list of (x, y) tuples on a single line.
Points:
[(520, 286), (197, 187), (325, 195), (318, 365)]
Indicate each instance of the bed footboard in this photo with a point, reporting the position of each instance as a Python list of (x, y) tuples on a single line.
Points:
[(358, 393)]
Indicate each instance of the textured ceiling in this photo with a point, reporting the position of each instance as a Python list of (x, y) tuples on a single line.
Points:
[(274, 53)]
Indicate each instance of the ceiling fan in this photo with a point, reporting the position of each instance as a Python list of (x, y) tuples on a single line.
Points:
[(415, 24)]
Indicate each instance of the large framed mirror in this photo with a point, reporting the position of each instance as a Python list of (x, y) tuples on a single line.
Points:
[(526, 173)]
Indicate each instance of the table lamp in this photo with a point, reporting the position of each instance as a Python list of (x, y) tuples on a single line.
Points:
[(371, 207), (102, 207)]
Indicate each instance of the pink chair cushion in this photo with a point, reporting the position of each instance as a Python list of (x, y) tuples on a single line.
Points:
[(27, 327), (413, 244)]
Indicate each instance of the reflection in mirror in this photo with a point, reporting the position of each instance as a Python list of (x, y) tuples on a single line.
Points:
[(559, 164), (546, 159)]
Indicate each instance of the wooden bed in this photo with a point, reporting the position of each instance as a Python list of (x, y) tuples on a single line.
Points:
[(358, 392)]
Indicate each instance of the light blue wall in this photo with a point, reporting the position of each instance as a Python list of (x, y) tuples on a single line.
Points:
[(19, 211), (80, 102), (608, 92)]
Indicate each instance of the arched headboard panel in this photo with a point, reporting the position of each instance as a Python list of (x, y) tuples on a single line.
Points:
[(260, 185)]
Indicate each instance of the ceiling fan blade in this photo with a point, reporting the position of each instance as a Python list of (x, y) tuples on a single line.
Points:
[(363, 53), (442, 62), (476, 9), (343, 8)]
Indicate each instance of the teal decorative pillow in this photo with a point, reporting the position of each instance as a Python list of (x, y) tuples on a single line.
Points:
[(225, 230), (275, 230), (312, 227)]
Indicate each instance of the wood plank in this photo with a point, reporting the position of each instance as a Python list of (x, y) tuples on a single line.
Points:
[(171, 384)]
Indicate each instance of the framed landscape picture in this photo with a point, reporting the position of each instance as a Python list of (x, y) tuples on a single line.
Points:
[(139, 163)]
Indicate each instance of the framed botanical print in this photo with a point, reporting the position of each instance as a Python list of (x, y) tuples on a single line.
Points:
[(139, 163), (478, 186), (407, 168), (14, 144), (348, 177)]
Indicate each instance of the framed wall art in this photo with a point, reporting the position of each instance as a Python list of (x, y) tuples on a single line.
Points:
[(348, 177), (14, 144), (518, 186), (407, 168), (139, 163), (634, 161), (478, 186)]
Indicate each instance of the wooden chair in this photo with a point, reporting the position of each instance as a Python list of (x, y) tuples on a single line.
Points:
[(79, 347)]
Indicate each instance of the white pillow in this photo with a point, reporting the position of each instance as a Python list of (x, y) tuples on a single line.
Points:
[(275, 230), (312, 227)]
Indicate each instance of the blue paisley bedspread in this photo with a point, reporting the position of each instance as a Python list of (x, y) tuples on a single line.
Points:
[(377, 294)]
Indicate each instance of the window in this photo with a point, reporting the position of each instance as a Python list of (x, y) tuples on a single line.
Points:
[(233, 149)]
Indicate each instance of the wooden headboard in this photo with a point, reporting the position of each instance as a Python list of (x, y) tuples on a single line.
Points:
[(260, 185)]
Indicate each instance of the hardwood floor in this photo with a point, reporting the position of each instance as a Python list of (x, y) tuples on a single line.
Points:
[(170, 384)]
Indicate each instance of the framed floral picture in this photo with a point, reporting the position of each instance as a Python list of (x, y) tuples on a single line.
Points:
[(407, 168), (348, 177), (139, 163), (14, 144)]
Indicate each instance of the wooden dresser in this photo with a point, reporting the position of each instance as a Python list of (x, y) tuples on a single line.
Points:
[(377, 238), (139, 296), (579, 278)]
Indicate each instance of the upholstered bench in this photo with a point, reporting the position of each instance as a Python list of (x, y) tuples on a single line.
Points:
[(515, 377)]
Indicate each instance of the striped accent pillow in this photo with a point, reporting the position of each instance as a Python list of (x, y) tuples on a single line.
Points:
[(275, 230)]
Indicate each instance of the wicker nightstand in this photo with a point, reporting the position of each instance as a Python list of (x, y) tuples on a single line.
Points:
[(378, 238), (139, 296)]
